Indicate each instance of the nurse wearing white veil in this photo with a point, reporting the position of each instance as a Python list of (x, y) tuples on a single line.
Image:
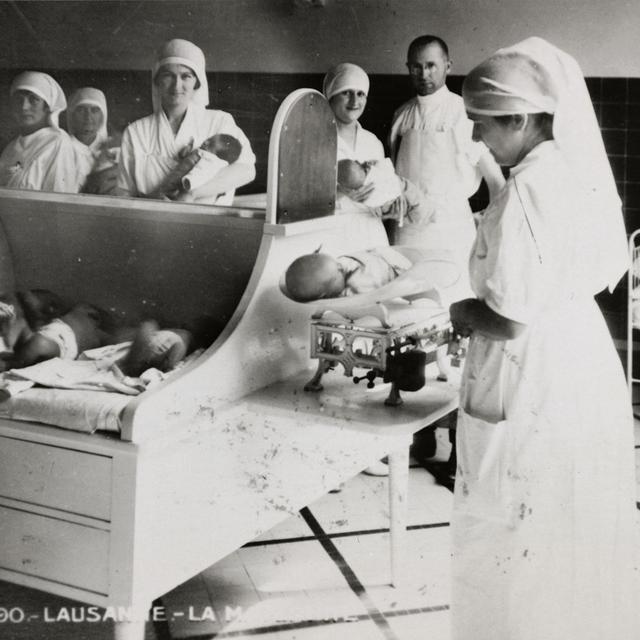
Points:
[(151, 146), (96, 153), (41, 157), (544, 523)]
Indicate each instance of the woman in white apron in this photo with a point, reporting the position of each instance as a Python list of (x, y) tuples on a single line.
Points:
[(384, 194), (432, 146), (41, 157), (544, 522), (152, 146), (96, 153)]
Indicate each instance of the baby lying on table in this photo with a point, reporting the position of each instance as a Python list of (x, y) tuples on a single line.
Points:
[(85, 327), (383, 272), (391, 197)]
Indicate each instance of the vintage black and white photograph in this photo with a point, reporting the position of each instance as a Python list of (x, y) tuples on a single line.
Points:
[(319, 320)]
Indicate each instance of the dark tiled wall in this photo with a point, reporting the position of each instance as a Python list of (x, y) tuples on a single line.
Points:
[(253, 99)]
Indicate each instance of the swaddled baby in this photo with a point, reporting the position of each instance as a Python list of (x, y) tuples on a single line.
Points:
[(198, 166), (392, 197)]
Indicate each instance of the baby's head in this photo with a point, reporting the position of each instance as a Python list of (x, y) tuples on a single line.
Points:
[(224, 146), (351, 174), (314, 276)]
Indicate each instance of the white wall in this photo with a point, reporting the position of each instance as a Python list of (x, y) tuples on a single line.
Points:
[(287, 36)]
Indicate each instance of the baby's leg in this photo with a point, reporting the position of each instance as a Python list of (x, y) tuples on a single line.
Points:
[(36, 349)]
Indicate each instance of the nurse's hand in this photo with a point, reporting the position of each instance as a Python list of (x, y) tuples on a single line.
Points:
[(184, 196), (460, 316)]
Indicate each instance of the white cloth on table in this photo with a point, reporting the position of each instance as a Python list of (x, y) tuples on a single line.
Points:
[(93, 375), (150, 150), (43, 161), (544, 521), (84, 411)]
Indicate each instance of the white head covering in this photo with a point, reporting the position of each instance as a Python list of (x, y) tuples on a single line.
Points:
[(45, 87), (91, 96), (534, 76), (343, 77), (178, 51)]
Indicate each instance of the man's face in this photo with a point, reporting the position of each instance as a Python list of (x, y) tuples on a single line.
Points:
[(428, 68)]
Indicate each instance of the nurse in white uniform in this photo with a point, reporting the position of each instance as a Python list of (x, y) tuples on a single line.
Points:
[(544, 522), (346, 87), (96, 153), (151, 146), (41, 157)]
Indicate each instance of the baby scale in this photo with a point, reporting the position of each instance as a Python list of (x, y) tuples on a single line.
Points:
[(395, 340)]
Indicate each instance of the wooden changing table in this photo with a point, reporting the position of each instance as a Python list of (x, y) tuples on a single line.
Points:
[(230, 445)]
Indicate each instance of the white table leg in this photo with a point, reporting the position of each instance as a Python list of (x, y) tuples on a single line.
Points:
[(130, 625), (398, 492), (127, 630)]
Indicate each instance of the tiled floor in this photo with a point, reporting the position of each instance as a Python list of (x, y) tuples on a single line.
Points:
[(320, 575)]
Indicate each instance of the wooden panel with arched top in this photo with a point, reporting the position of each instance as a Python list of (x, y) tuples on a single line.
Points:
[(304, 141)]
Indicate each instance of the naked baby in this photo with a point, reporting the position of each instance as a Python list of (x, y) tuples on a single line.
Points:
[(373, 276)]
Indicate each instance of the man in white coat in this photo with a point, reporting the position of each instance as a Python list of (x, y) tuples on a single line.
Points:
[(432, 147)]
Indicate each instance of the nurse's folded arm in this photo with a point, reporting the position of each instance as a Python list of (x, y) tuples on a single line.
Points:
[(474, 316)]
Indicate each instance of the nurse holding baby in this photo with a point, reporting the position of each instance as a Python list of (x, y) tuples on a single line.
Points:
[(154, 145), (367, 181)]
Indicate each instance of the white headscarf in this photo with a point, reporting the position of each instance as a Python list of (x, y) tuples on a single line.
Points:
[(178, 51), (90, 96), (534, 76), (343, 77), (45, 87)]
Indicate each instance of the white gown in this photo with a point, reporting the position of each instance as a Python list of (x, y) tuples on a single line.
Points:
[(150, 150), (544, 522), (43, 161), (431, 141)]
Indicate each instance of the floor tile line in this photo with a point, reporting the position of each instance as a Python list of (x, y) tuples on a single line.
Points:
[(415, 611), (341, 534), (352, 580)]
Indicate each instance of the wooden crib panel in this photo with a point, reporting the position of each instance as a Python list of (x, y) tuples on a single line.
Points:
[(267, 339), (145, 262)]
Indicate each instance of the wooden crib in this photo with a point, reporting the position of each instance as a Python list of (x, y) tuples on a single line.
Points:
[(205, 461)]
